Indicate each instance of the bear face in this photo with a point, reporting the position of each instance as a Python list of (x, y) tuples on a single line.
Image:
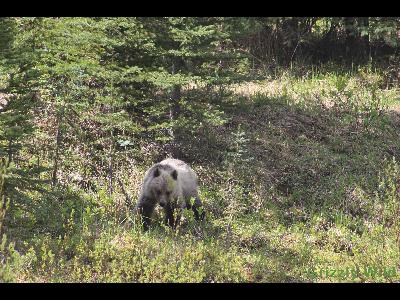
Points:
[(163, 185)]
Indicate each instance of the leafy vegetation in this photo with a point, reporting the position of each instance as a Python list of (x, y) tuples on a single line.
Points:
[(293, 137)]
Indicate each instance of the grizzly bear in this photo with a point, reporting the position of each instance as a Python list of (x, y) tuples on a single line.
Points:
[(173, 185)]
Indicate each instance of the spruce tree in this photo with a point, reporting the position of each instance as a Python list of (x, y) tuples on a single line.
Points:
[(20, 96)]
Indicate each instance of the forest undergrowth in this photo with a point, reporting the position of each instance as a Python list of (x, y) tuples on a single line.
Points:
[(300, 183)]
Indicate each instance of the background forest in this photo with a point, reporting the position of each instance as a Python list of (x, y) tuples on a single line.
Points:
[(292, 125)]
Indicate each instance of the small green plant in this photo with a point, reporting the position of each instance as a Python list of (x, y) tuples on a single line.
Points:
[(239, 156)]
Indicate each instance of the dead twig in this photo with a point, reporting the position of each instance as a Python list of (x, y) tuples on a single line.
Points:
[(128, 199)]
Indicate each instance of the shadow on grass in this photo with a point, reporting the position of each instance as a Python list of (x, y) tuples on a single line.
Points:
[(300, 163)]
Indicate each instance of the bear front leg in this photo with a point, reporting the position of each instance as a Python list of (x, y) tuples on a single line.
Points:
[(196, 205), (169, 215), (172, 216), (145, 209)]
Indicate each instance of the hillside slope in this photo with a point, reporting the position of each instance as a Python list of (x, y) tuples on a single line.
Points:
[(301, 184)]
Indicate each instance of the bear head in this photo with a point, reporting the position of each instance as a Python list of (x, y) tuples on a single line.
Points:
[(163, 184)]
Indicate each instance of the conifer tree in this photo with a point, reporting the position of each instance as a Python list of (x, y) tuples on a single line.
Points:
[(19, 87), (186, 52)]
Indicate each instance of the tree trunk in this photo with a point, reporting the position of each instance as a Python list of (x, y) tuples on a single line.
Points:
[(9, 153), (364, 22), (349, 25), (57, 155), (174, 110), (3, 205), (175, 107), (111, 172)]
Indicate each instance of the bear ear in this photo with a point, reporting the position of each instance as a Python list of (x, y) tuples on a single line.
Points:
[(174, 174), (156, 172)]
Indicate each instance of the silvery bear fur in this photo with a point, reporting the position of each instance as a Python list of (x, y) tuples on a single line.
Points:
[(173, 185)]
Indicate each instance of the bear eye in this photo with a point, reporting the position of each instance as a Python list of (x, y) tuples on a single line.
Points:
[(168, 193), (158, 192)]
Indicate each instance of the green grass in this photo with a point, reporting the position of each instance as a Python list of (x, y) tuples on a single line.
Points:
[(303, 179)]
